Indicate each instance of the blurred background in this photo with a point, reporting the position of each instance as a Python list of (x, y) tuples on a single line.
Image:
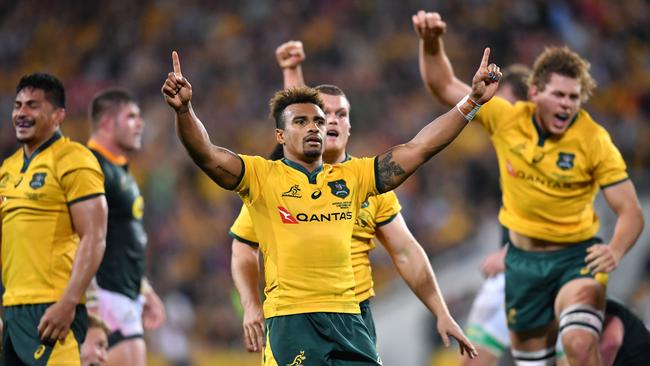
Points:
[(369, 49)]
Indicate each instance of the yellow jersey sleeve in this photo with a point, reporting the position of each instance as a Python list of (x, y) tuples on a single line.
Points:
[(491, 113), (387, 208), (364, 169), (609, 166), (256, 171), (79, 173), (242, 229)]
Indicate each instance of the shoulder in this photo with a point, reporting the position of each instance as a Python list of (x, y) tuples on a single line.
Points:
[(590, 130), (70, 155)]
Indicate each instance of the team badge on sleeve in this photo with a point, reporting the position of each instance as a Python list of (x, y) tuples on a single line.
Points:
[(565, 160), (38, 180), (339, 189)]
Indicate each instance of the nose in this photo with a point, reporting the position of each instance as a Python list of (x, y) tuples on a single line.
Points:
[(332, 119)]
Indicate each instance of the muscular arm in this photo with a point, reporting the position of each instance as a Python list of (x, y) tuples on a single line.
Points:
[(413, 266), (221, 165), (435, 68), (624, 202), (246, 273), (399, 162), (290, 56), (89, 221)]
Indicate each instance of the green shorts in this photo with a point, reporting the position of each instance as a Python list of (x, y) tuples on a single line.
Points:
[(319, 339), (22, 346), (366, 316), (533, 280)]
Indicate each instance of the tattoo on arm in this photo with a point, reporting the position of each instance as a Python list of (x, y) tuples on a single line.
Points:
[(386, 170)]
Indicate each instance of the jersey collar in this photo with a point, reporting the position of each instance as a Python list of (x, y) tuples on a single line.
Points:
[(115, 159), (544, 135), (26, 160), (310, 176)]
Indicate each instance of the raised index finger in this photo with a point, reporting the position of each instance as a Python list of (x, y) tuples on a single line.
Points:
[(486, 56), (177, 63)]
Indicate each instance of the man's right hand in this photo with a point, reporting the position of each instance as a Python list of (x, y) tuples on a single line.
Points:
[(290, 55), (176, 89), (428, 26), (253, 327)]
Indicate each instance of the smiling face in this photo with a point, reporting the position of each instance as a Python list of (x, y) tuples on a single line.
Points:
[(303, 133), (35, 119), (557, 104), (337, 131)]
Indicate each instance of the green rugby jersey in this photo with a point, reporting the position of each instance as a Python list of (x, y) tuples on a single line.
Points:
[(123, 265)]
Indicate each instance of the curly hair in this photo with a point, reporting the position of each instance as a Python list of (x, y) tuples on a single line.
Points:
[(286, 97), (562, 61)]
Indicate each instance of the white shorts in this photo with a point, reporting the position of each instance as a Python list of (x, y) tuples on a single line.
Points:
[(122, 314), (487, 325)]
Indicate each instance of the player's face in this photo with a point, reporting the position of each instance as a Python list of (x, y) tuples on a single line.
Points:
[(35, 119), (128, 127), (304, 132), (95, 347), (557, 104), (337, 115)]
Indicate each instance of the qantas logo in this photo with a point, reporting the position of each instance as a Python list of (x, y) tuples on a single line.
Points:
[(286, 216)]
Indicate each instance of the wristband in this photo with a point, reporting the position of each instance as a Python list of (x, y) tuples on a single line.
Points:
[(468, 107)]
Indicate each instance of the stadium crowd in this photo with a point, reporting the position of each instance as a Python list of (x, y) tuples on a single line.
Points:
[(368, 48)]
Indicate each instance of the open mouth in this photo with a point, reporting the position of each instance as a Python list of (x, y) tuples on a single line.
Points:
[(560, 120), (24, 124), (313, 139)]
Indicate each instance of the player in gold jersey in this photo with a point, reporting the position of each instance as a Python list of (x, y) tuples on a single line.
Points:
[(311, 309), (53, 230), (552, 159), (379, 216)]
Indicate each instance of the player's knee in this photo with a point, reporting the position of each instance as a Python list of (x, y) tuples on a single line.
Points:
[(544, 357), (580, 328)]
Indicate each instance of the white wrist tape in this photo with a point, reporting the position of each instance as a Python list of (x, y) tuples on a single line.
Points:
[(468, 108)]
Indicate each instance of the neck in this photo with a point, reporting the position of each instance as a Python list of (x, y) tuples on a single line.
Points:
[(29, 148), (307, 163), (108, 144), (334, 157)]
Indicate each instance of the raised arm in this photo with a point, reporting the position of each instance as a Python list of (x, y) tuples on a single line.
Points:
[(290, 55), (89, 220), (413, 265), (622, 199), (220, 164), (399, 162), (435, 69), (245, 270)]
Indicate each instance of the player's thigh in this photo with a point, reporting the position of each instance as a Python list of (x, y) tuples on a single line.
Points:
[(580, 291), (122, 314), (22, 340), (128, 352)]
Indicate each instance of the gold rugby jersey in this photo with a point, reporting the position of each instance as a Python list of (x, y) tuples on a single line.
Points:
[(549, 183), (38, 240), (376, 211), (304, 223)]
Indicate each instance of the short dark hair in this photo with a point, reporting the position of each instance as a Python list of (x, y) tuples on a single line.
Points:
[(108, 101), (286, 97), (277, 153), (329, 89), (516, 75), (49, 84)]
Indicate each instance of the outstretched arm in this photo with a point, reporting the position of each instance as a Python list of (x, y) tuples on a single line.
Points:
[(246, 273), (399, 162), (413, 265), (290, 55), (435, 69), (220, 164)]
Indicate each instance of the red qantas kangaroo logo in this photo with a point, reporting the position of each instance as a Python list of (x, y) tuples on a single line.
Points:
[(286, 216)]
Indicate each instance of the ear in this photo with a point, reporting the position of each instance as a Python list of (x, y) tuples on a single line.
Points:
[(105, 122), (533, 92), (279, 136), (59, 115)]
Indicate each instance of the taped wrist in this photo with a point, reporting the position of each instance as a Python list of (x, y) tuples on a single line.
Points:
[(468, 107)]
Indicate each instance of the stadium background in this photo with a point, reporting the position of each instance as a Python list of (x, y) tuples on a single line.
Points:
[(370, 50)]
